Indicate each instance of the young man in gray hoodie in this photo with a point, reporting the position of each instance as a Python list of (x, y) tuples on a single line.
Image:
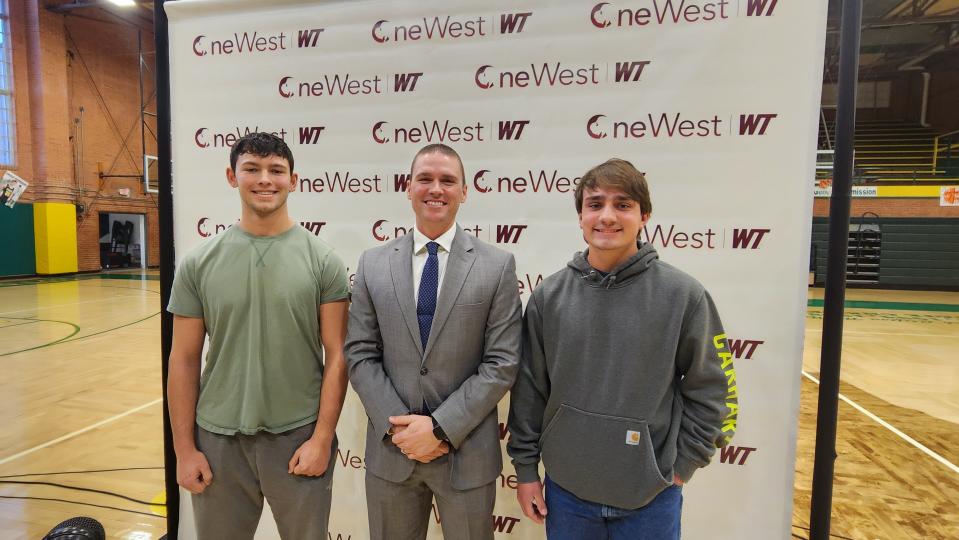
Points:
[(626, 385)]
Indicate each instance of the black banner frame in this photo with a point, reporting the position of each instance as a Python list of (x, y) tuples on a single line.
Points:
[(834, 298), (167, 253), (820, 512)]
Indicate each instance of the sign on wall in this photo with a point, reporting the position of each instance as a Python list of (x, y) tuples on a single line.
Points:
[(11, 187), (949, 196), (716, 101)]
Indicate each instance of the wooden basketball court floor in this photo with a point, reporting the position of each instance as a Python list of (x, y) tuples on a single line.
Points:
[(80, 405)]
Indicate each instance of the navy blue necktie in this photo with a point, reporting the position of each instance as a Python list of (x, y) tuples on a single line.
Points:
[(426, 299)]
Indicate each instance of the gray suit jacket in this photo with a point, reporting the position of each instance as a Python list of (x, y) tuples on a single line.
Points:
[(469, 363)]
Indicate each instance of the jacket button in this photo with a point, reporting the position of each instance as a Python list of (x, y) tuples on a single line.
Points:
[(424, 371)]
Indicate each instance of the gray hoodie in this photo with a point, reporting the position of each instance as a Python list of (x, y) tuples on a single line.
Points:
[(625, 379)]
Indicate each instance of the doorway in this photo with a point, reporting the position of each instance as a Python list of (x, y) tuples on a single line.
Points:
[(122, 240)]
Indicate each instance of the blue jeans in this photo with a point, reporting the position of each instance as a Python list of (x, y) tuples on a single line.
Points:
[(572, 518)]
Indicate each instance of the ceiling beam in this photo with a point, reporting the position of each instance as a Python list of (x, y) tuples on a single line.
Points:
[(873, 24)]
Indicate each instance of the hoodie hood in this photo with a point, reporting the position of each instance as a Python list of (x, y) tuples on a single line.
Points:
[(622, 274)]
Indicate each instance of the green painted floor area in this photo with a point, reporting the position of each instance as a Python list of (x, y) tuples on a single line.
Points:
[(78, 277), (897, 306), (136, 277)]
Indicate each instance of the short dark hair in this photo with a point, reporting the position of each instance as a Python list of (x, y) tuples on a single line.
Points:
[(260, 144), (619, 174), (439, 149)]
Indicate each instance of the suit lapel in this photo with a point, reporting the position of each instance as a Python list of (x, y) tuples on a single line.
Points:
[(457, 268), (401, 268)]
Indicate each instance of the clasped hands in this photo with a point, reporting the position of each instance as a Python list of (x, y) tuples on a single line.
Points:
[(413, 435)]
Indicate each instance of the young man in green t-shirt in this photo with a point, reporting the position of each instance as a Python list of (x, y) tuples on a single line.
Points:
[(260, 420)]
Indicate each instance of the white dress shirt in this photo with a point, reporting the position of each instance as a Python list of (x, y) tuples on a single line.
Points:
[(420, 255)]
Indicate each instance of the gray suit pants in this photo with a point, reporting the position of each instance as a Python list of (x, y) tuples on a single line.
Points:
[(401, 511), (248, 467)]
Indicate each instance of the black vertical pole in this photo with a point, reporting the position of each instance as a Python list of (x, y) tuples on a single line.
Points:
[(164, 179), (143, 138), (839, 206)]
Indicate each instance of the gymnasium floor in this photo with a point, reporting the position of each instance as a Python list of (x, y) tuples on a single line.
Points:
[(81, 409), (81, 392)]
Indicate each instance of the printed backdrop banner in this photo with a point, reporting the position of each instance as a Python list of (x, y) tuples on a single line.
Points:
[(716, 101)]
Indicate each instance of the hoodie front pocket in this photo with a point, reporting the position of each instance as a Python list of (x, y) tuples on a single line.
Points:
[(602, 458)]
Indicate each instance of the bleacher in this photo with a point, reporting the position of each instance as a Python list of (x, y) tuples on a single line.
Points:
[(897, 153)]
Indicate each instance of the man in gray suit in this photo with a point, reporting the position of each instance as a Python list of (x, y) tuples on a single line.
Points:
[(433, 344)]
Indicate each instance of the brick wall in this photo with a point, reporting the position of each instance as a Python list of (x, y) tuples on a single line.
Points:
[(23, 164), (942, 114), (905, 100), (943, 111), (91, 64), (892, 208)]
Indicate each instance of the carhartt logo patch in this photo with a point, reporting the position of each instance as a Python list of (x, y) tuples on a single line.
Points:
[(632, 437)]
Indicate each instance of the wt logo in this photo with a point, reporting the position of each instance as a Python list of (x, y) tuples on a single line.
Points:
[(401, 182), (510, 22), (729, 454), (405, 82), (748, 123), (748, 238), (511, 130), (311, 134), (630, 71), (504, 524), (757, 8), (509, 234), (743, 348), (308, 38), (313, 226)]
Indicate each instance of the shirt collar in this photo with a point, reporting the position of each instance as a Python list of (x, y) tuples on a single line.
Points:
[(445, 240)]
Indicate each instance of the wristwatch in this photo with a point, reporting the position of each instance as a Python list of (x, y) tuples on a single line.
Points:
[(438, 431)]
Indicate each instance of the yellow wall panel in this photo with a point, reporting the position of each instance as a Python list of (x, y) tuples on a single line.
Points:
[(55, 230), (931, 192)]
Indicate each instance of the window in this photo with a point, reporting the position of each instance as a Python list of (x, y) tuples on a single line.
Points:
[(8, 124)]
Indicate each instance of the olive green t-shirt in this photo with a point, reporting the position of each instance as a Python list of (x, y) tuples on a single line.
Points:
[(259, 297)]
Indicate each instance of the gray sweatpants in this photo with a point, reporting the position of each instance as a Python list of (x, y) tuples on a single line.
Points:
[(248, 467)]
